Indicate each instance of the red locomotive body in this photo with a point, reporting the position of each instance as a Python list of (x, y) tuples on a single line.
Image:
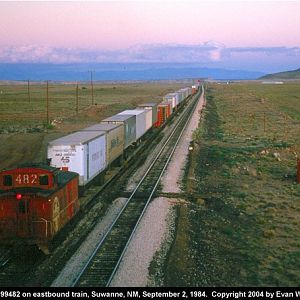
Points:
[(35, 203)]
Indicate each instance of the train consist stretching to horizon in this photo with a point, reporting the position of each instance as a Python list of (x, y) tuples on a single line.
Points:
[(37, 201)]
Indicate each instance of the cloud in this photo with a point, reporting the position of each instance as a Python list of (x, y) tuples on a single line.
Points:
[(290, 51), (210, 53), (139, 53)]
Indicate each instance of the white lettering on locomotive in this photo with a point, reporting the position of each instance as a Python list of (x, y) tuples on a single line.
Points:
[(27, 179)]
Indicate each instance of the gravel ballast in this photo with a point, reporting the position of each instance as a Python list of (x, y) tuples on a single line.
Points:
[(154, 230), (172, 178), (133, 270), (79, 259)]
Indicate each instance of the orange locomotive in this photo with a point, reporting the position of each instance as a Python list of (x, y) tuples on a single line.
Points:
[(36, 201)]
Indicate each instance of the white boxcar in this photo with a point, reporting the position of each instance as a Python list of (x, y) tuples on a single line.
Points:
[(174, 97), (186, 92), (148, 114), (129, 124), (180, 96), (80, 152), (114, 139), (151, 106), (141, 120)]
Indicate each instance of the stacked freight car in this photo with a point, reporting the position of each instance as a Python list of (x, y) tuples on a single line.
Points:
[(195, 88), (152, 108), (37, 201), (164, 111), (90, 151)]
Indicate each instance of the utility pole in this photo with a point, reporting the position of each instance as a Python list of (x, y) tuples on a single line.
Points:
[(298, 170), (92, 87), (77, 98), (47, 102), (28, 89)]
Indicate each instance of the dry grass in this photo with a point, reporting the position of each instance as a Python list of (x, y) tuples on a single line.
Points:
[(15, 108), (24, 133), (248, 232)]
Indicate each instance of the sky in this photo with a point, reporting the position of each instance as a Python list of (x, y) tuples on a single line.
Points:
[(254, 35)]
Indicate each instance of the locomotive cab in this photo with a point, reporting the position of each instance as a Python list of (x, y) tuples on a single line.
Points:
[(36, 202)]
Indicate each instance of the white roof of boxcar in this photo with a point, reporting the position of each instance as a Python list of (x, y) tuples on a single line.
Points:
[(171, 94), (77, 138), (168, 102), (116, 118), (102, 127), (132, 112)]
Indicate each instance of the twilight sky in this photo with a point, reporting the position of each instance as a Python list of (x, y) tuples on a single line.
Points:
[(254, 35)]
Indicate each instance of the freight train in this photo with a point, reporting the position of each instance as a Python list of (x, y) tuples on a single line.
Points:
[(37, 201)]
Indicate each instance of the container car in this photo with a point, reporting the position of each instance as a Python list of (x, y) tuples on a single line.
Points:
[(194, 89), (149, 119), (114, 139), (185, 92), (81, 152), (129, 126), (163, 113), (170, 104), (36, 201), (153, 107), (189, 91), (181, 96), (174, 97), (142, 122)]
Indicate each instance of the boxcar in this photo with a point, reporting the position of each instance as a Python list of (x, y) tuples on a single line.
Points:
[(129, 126), (80, 152), (114, 139), (36, 201), (174, 97)]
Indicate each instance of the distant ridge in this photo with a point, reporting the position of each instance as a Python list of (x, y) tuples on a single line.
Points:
[(118, 72), (294, 74)]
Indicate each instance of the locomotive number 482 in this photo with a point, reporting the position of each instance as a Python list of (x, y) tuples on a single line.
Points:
[(27, 178)]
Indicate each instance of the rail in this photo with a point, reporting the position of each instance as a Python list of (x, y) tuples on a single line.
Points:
[(105, 259), (5, 255)]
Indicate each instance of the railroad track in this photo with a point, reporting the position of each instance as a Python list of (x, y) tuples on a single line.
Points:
[(16, 262), (5, 255), (104, 261)]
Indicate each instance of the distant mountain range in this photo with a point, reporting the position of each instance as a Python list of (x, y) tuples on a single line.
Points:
[(294, 74), (118, 71)]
